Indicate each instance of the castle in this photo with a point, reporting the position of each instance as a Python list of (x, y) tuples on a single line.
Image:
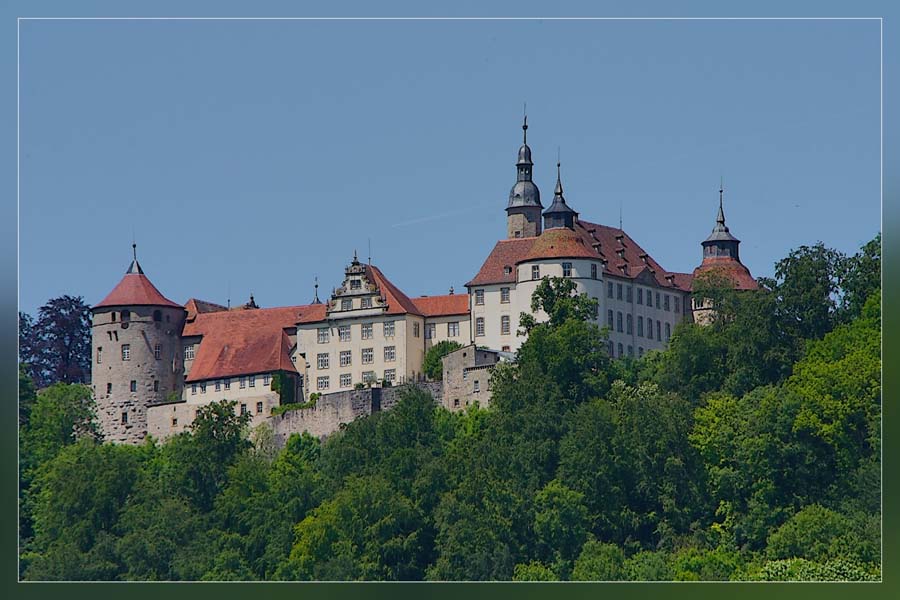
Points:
[(156, 361)]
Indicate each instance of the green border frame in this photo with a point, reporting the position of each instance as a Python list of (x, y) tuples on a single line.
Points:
[(890, 587)]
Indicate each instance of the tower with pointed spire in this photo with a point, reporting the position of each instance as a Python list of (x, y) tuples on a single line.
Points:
[(721, 260), (523, 211), (137, 358), (559, 214)]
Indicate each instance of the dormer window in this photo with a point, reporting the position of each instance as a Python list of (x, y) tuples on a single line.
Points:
[(507, 270)]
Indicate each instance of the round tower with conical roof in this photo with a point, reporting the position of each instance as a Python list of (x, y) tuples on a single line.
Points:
[(523, 212), (136, 343)]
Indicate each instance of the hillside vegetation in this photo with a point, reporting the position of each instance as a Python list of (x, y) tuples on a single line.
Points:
[(748, 450)]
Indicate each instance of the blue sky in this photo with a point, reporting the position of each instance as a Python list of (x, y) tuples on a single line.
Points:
[(255, 155)]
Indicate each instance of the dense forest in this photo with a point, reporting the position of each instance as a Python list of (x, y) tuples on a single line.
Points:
[(748, 450)]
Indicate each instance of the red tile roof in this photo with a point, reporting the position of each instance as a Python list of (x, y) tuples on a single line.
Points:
[(624, 257), (398, 302), (559, 243), (506, 253), (243, 342), (729, 268), (683, 281), (135, 290), (195, 307), (437, 306)]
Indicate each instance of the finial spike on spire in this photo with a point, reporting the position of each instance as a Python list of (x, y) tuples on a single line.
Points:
[(525, 123), (134, 250)]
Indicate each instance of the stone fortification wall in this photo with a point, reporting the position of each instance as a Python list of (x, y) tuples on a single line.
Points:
[(333, 410)]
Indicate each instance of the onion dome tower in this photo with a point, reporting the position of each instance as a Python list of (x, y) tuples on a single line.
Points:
[(523, 212), (559, 214), (721, 255), (137, 357)]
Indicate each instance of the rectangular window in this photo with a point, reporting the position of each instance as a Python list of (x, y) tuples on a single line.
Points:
[(628, 291), (126, 352), (390, 375), (677, 304), (649, 329), (156, 385), (567, 269), (453, 329), (109, 388), (322, 360), (609, 289), (228, 383), (252, 380), (259, 407), (609, 319), (620, 350), (640, 298), (658, 336), (668, 331), (243, 409), (368, 356), (99, 354), (368, 376), (415, 330), (346, 380), (189, 352), (657, 299), (640, 330), (193, 389), (629, 324), (535, 271), (322, 383), (124, 418), (355, 284), (619, 322), (430, 331), (346, 304), (242, 383), (367, 331), (476, 386), (133, 385), (594, 271), (345, 358), (618, 291), (479, 297), (504, 325), (218, 385), (390, 353), (479, 326), (266, 379), (366, 302), (202, 387), (174, 422), (323, 335), (344, 333), (504, 295), (666, 302), (157, 351), (630, 350), (388, 329)]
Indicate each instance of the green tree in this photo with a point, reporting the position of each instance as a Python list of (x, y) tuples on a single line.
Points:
[(599, 562), (432, 365), (366, 531), (533, 571), (560, 522), (556, 297), (861, 279), (821, 534), (648, 566)]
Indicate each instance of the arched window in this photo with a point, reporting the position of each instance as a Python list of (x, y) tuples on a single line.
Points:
[(157, 315), (126, 315)]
